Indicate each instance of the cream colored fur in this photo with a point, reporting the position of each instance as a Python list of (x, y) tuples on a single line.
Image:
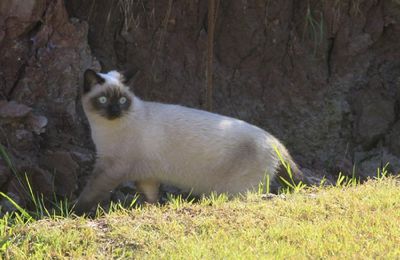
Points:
[(192, 149)]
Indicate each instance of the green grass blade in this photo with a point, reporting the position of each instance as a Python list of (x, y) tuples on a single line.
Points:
[(23, 212)]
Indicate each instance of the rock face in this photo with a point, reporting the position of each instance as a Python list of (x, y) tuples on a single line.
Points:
[(322, 76), (42, 55)]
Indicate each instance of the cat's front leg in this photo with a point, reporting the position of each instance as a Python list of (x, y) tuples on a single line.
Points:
[(150, 189), (98, 188)]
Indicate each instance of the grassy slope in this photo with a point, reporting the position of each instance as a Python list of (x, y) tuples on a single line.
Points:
[(337, 222)]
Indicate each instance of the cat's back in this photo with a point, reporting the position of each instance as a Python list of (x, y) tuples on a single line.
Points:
[(180, 118), (179, 126)]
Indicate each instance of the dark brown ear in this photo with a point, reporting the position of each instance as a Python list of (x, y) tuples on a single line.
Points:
[(128, 74), (91, 78)]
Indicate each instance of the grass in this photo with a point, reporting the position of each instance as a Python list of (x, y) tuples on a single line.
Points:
[(314, 27), (314, 23), (345, 221)]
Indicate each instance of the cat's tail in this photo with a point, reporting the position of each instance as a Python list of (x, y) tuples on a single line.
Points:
[(287, 172)]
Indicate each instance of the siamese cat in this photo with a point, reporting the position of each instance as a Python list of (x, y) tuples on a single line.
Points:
[(152, 143)]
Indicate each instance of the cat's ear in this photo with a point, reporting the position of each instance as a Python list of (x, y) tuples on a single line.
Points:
[(128, 74), (91, 78)]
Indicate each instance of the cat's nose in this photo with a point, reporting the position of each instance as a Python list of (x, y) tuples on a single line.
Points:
[(114, 111)]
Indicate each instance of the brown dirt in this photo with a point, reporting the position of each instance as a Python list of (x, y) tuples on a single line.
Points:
[(323, 76)]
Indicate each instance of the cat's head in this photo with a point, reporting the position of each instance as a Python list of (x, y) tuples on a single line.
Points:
[(106, 95)]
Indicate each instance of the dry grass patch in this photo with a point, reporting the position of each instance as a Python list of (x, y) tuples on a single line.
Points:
[(360, 221)]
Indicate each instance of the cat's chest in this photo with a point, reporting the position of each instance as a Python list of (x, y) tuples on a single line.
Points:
[(113, 143)]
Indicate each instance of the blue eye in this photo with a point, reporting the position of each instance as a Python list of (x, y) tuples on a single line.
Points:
[(102, 100), (122, 100)]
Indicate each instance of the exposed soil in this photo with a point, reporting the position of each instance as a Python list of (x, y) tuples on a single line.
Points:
[(322, 76)]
